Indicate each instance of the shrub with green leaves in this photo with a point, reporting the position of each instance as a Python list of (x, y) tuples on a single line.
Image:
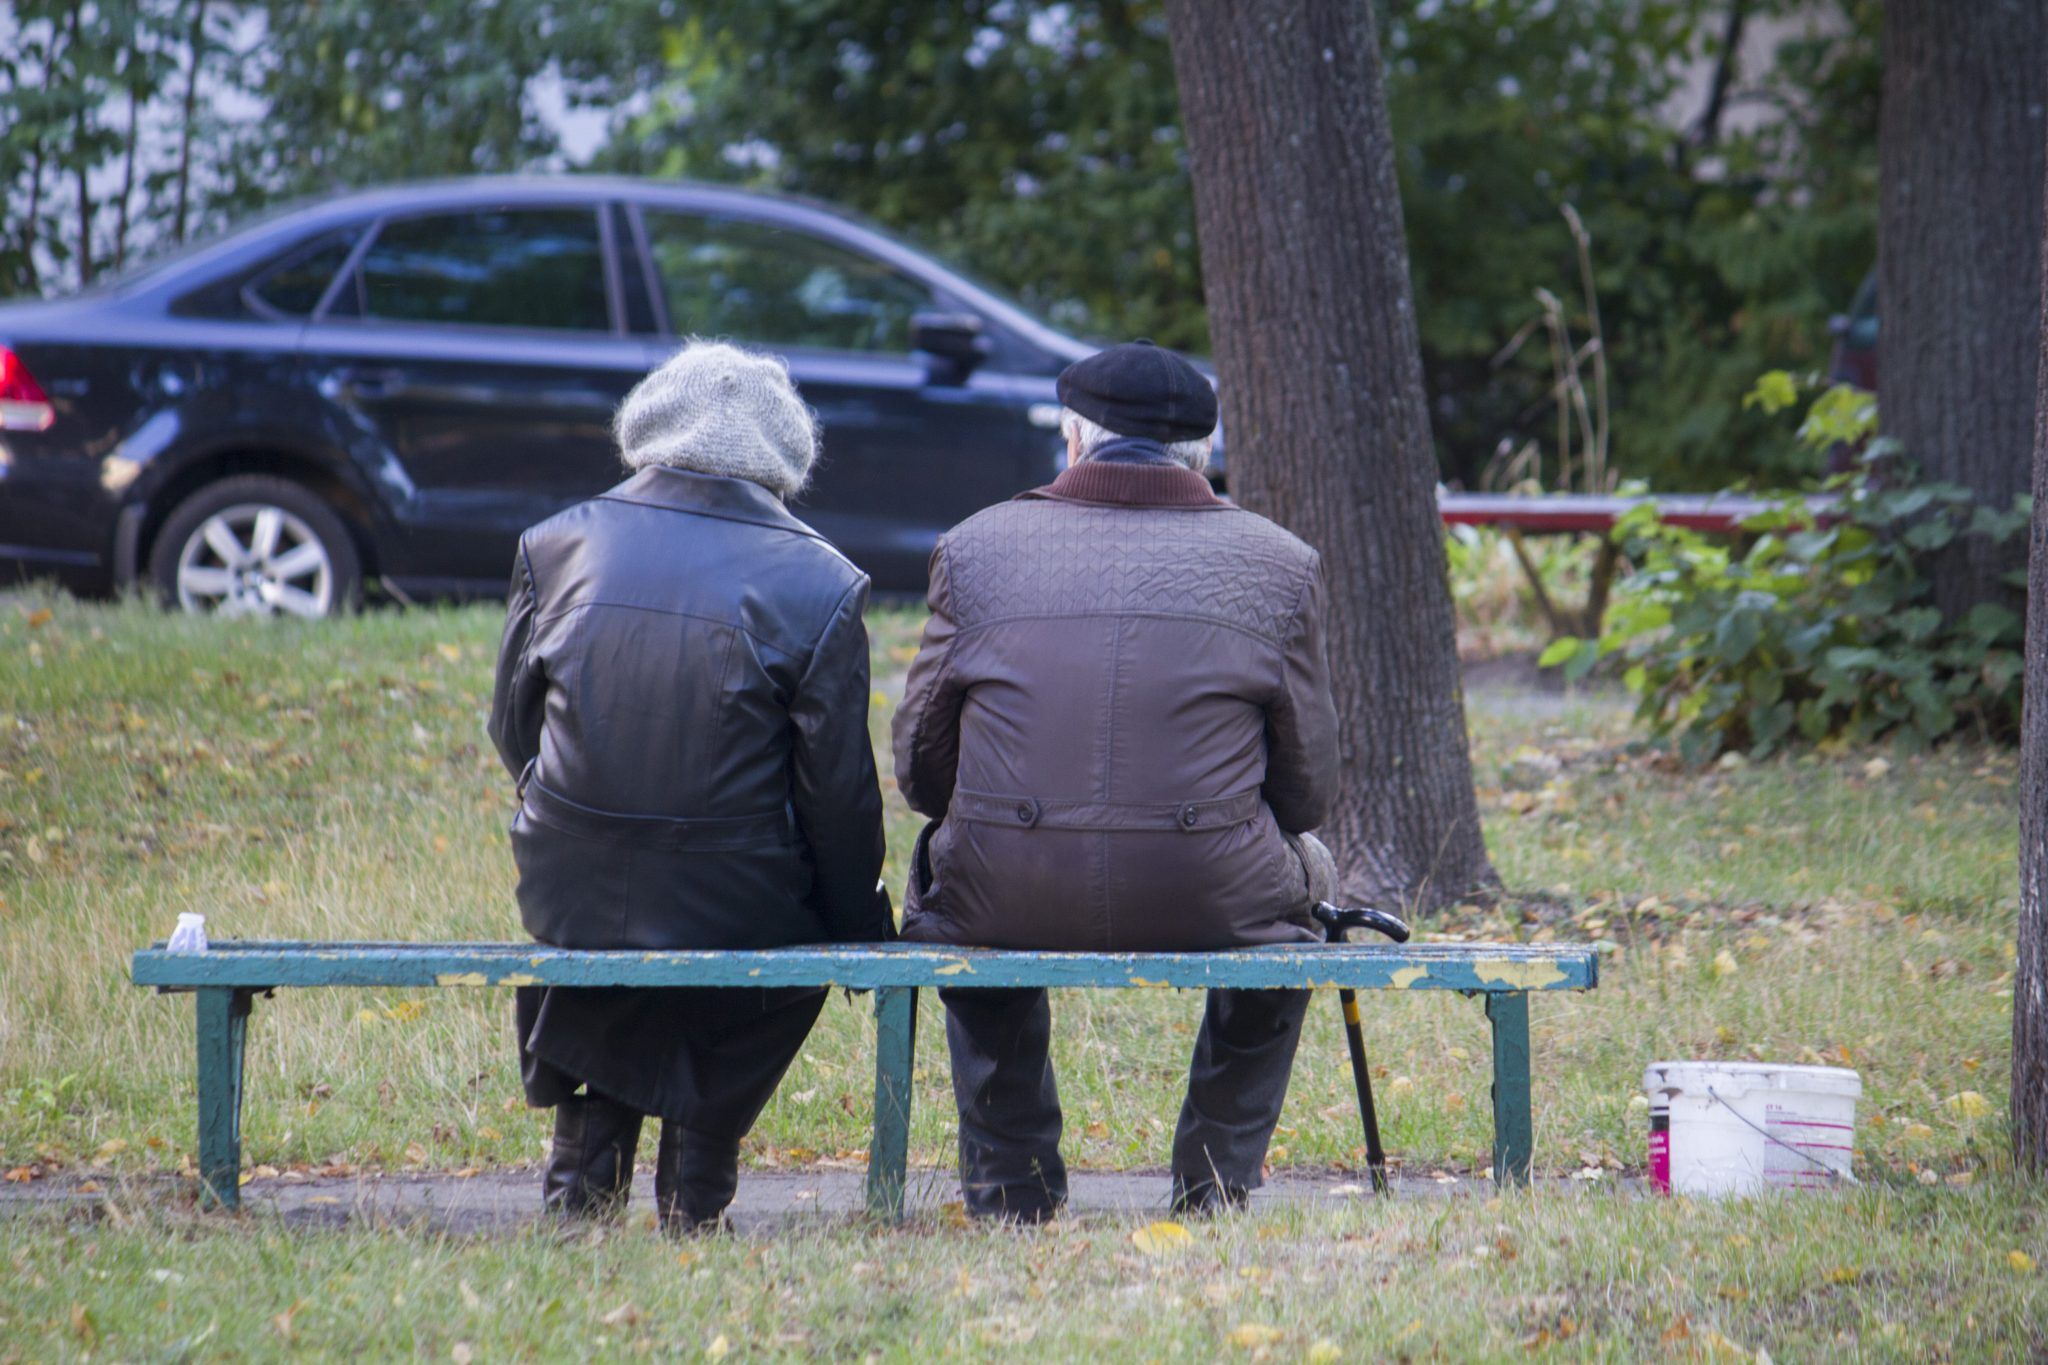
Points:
[(1816, 625)]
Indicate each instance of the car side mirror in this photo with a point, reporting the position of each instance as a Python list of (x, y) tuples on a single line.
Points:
[(953, 341)]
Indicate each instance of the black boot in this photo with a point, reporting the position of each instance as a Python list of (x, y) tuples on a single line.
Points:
[(694, 1179), (590, 1167), (1205, 1196)]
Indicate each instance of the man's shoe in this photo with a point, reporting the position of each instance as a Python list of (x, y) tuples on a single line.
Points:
[(694, 1179), (590, 1163)]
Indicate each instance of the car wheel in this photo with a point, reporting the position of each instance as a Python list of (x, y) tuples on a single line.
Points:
[(256, 546)]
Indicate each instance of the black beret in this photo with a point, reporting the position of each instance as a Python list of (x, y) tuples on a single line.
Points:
[(1141, 390)]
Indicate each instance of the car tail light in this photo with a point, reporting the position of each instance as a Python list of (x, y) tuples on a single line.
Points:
[(23, 404)]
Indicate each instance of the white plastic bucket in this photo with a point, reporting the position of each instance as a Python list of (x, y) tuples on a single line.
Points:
[(1742, 1127)]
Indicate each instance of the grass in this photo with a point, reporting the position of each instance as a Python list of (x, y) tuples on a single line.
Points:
[(1882, 1275), (333, 781)]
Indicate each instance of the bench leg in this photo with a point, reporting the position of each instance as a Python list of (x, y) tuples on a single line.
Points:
[(223, 1027), (1513, 1135), (895, 1055)]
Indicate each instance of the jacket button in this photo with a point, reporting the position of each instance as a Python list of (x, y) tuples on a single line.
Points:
[(1024, 812), (1189, 815)]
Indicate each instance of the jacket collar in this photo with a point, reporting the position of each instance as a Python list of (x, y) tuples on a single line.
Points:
[(709, 495), (1131, 485)]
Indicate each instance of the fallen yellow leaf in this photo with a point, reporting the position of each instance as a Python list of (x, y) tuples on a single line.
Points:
[(39, 618), (1842, 1274), (1324, 1352), (1725, 964), (718, 1347), (2020, 1261), (452, 653), (1968, 1104), (1159, 1239), (1252, 1335)]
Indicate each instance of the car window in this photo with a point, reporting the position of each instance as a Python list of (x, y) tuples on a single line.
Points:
[(295, 287), (726, 277), (491, 267)]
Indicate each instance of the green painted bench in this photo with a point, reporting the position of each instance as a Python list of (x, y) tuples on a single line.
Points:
[(232, 973)]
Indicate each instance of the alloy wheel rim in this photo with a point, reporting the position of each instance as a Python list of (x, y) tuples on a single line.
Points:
[(255, 559)]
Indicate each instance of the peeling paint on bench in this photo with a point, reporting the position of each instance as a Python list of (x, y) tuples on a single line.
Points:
[(1521, 976)]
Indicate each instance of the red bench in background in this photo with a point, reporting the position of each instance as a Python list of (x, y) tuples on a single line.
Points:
[(1521, 515)]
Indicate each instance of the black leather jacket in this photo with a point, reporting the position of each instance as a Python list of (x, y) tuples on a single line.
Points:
[(682, 695)]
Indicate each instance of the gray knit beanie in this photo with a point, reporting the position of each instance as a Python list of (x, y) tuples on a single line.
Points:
[(715, 409)]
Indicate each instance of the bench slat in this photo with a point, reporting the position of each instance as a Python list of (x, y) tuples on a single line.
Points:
[(1430, 966)]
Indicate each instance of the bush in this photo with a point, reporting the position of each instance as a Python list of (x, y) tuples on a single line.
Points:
[(1818, 628)]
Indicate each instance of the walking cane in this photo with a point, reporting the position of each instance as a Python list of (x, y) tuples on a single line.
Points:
[(1336, 922)]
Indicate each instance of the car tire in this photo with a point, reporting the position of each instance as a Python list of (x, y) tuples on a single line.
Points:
[(256, 545)]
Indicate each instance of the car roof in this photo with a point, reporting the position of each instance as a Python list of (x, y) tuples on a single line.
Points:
[(300, 219)]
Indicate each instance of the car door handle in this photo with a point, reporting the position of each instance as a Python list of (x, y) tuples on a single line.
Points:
[(373, 383)]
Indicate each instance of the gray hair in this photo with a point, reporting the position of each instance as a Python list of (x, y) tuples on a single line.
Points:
[(713, 408), (1090, 436)]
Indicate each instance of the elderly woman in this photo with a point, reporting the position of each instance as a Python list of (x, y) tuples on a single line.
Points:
[(682, 697)]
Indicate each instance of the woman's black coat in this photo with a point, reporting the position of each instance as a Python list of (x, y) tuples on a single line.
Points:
[(682, 696)]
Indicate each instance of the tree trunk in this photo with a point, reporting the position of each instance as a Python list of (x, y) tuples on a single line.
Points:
[(1961, 151), (2030, 971), (81, 163), (196, 53), (1324, 414)]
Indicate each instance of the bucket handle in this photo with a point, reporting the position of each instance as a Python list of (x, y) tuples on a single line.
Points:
[(1828, 1170)]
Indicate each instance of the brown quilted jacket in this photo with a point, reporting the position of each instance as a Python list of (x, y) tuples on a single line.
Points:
[(1120, 703)]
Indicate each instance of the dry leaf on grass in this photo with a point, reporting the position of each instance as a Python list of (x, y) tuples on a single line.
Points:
[(1967, 1104), (1252, 1335), (1161, 1239)]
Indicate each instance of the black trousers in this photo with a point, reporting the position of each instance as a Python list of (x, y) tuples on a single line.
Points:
[(1010, 1106), (706, 1060)]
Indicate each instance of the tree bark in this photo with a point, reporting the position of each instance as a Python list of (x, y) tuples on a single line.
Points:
[(81, 167), (1324, 412), (196, 50), (2030, 970), (128, 161), (1961, 152)]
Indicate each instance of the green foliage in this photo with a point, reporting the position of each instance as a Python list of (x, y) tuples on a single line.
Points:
[(1819, 628), (1038, 143), (129, 126)]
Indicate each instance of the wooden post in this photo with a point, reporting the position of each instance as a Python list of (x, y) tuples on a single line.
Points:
[(223, 1014), (1513, 1136), (895, 1057)]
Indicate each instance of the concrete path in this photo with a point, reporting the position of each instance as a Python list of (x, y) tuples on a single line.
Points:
[(506, 1199)]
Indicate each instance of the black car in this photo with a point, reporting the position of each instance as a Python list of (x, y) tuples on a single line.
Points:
[(387, 387)]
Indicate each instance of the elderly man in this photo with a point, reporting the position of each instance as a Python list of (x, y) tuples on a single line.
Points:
[(682, 698), (1120, 724)]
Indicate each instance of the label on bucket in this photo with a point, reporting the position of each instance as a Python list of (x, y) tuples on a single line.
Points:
[(1660, 1150), (1804, 1151)]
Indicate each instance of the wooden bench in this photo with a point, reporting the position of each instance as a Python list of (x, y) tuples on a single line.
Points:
[(231, 974)]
